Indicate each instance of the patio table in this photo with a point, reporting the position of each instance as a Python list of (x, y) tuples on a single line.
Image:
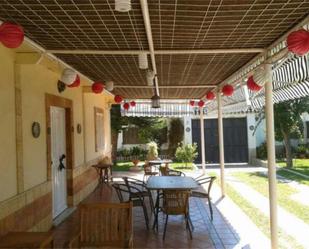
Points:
[(159, 183)]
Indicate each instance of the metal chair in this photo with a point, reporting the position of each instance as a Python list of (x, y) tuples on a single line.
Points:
[(135, 197), (148, 171), (202, 193), (170, 172), (176, 202)]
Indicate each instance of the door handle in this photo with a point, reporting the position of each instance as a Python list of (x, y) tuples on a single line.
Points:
[(61, 165)]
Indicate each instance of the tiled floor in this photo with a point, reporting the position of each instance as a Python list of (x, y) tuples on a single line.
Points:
[(207, 234)]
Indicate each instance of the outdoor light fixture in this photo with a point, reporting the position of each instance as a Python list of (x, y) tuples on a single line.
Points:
[(149, 77), (123, 5), (155, 101), (142, 61), (109, 86)]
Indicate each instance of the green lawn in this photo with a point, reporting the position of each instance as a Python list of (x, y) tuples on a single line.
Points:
[(299, 165), (259, 182), (125, 166), (122, 166), (259, 219)]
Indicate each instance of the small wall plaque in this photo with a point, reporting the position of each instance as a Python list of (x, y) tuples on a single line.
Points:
[(188, 129), (36, 129)]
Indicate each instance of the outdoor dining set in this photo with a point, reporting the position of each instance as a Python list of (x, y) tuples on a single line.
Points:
[(162, 190)]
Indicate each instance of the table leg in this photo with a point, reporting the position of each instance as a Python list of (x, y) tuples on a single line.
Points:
[(155, 222)]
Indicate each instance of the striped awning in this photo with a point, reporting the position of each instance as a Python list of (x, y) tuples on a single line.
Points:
[(290, 81)]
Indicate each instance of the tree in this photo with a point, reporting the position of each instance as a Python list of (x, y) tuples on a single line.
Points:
[(175, 135), (288, 123), (150, 128), (186, 153)]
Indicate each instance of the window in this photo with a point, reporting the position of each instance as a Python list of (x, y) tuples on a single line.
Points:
[(99, 128)]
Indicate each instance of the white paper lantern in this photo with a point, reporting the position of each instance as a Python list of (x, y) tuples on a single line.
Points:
[(109, 86), (123, 5), (143, 61), (150, 76), (68, 76), (259, 76)]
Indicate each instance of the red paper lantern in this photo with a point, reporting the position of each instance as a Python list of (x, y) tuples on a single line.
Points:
[(133, 103), (192, 103), (126, 106), (97, 87), (11, 35), (201, 103), (251, 84), (298, 42), (210, 95), (118, 99), (76, 82), (227, 90)]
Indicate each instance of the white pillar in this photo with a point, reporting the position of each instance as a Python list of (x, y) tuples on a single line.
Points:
[(221, 143), (271, 157), (202, 138)]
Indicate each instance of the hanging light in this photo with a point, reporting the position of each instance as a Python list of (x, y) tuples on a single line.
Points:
[(149, 77), (109, 86), (143, 61), (155, 101), (123, 5)]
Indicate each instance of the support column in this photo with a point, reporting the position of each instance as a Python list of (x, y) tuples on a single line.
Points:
[(221, 143), (202, 138), (271, 156)]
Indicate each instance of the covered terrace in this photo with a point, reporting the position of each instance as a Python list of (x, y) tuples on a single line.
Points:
[(65, 63)]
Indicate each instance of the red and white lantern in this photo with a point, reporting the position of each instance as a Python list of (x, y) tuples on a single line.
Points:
[(210, 96), (252, 85), (192, 103), (298, 42), (228, 90), (118, 99), (76, 82), (97, 87), (126, 106), (69, 77), (133, 103), (11, 35), (201, 103)]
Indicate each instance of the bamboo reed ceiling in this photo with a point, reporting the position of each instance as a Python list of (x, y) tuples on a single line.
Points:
[(181, 24)]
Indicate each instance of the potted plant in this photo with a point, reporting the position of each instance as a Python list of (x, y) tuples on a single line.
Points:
[(135, 153), (152, 151)]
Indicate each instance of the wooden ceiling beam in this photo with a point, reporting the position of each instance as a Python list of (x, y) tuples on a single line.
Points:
[(158, 52), (167, 87)]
